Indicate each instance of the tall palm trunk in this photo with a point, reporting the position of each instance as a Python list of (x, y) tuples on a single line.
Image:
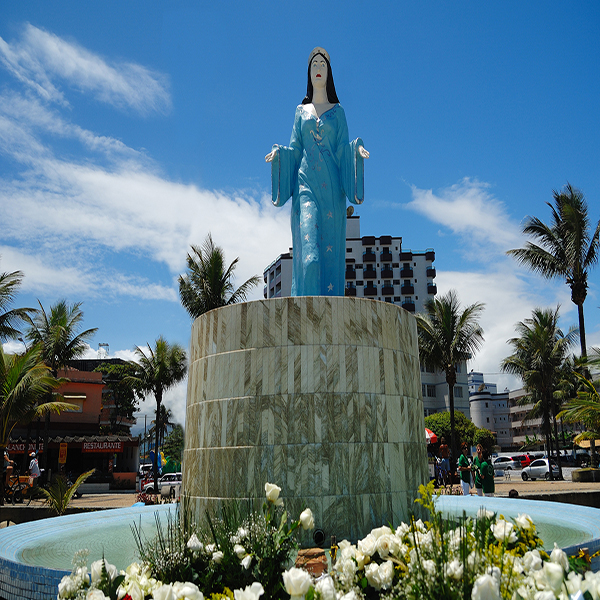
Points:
[(451, 380), (158, 394), (558, 461), (581, 330)]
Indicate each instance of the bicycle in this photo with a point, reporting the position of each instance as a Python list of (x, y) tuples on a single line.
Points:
[(13, 492)]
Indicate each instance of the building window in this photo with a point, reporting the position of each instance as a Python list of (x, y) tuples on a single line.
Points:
[(423, 389), (430, 391), (458, 393), (486, 404), (348, 249), (487, 419)]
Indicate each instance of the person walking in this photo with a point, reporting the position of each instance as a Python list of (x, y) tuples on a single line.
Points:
[(477, 462), (464, 469), (34, 468), (487, 470), (444, 454)]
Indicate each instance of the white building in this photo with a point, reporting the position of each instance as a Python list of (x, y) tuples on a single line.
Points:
[(381, 269), (490, 409)]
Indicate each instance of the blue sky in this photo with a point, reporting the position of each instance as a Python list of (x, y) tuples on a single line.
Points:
[(128, 131)]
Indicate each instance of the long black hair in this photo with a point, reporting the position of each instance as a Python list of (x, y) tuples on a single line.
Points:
[(329, 85)]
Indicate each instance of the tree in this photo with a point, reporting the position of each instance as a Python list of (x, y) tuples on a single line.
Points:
[(10, 319), (173, 445), (448, 336), (567, 248), (61, 340), (157, 370), (24, 383), (124, 401), (440, 424), (539, 353), (165, 422), (60, 493), (484, 437), (208, 283)]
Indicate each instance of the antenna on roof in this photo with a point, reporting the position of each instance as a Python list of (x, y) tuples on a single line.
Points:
[(102, 350)]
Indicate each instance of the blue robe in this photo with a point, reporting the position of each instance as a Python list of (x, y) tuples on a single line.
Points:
[(319, 169)]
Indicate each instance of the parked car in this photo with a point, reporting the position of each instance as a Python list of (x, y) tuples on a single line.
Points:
[(505, 463), (523, 459), (170, 485), (540, 468), (148, 485)]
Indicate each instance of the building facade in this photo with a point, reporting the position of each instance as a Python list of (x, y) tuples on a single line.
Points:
[(381, 269)]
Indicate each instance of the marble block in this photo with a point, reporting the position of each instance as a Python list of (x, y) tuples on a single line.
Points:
[(321, 396)]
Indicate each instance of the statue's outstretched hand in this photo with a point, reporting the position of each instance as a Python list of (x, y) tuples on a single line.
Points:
[(269, 157), (363, 152)]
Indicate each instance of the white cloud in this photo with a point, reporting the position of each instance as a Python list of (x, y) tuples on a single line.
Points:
[(470, 212), (40, 58)]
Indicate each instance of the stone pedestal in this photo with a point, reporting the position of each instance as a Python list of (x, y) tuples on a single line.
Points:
[(321, 396)]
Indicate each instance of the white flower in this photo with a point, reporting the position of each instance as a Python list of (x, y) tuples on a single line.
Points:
[(454, 569), (326, 588), (307, 520), (429, 567), (194, 543), (164, 592), (239, 550), (372, 575), (250, 592), (560, 557), (402, 530), (386, 544), (367, 545), (553, 575), (95, 594), (272, 491), (187, 591), (503, 530), (485, 588), (133, 589), (217, 556), (297, 582), (379, 531), (351, 595), (483, 512), (361, 560), (246, 561), (68, 586), (386, 574), (524, 521), (532, 561), (544, 595), (96, 570), (210, 548)]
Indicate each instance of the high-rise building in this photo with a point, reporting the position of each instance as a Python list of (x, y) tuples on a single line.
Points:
[(381, 269)]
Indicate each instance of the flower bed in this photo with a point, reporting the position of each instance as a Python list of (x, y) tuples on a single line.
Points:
[(248, 557)]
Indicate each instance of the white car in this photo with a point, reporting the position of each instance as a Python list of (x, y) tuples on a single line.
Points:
[(170, 485), (538, 469), (165, 479), (505, 463)]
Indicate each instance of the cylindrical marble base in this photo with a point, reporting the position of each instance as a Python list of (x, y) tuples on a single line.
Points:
[(321, 396)]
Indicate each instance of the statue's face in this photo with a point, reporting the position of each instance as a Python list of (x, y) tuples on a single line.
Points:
[(318, 71)]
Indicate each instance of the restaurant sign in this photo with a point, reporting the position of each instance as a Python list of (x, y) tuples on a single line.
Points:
[(102, 447), (19, 448)]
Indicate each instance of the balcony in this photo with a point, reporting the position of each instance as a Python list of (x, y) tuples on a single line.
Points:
[(431, 288), (385, 240), (429, 254), (431, 272), (370, 291), (407, 290), (350, 272), (368, 240), (387, 272), (369, 273), (409, 305), (387, 290), (406, 273), (385, 256), (369, 256), (350, 291), (406, 255)]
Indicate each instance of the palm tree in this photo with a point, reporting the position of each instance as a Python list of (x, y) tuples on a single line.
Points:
[(208, 284), (539, 353), (58, 334), (157, 370), (448, 336), (585, 408), (166, 414), (567, 248), (9, 319), (24, 382)]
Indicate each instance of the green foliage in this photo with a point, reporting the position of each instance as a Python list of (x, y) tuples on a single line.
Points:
[(60, 493), (439, 423), (208, 283), (10, 319), (121, 392), (173, 445), (484, 437), (228, 551)]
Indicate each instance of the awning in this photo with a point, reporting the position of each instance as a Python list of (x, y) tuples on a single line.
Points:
[(430, 436), (587, 444)]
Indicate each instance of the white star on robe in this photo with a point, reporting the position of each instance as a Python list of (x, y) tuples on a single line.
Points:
[(330, 287), (329, 249), (330, 215)]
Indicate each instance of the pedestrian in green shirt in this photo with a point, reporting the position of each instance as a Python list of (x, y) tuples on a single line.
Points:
[(477, 470), (464, 469), (487, 474)]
